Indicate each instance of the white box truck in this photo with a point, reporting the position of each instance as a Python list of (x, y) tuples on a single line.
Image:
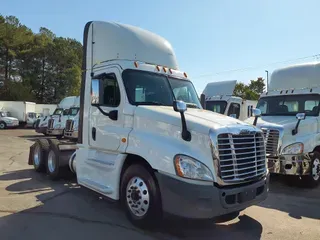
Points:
[(290, 121), (219, 98), (23, 111), (153, 153)]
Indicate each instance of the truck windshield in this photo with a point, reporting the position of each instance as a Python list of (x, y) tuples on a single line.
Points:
[(58, 111), (289, 105), (73, 111), (216, 106), (4, 114), (146, 88)]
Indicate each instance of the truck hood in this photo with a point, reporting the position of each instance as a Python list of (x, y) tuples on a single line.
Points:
[(199, 120), (287, 123), (9, 118)]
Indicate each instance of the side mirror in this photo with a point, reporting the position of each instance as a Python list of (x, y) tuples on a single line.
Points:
[(179, 106), (301, 116), (256, 113), (203, 100), (95, 91), (233, 115)]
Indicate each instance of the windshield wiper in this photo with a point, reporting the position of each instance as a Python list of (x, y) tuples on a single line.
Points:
[(150, 103), (192, 105)]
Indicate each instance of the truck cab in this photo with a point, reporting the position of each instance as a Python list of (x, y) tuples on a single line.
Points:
[(140, 144), (219, 98), (31, 119), (290, 122), (6, 121)]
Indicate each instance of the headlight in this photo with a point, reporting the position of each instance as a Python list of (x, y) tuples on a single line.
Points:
[(188, 167), (295, 148), (8, 121)]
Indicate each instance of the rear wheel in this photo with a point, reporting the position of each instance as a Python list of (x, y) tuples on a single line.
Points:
[(54, 170), (313, 179), (3, 125), (40, 153), (140, 197)]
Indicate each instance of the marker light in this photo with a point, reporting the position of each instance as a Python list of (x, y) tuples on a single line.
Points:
[(164, 69), (158, 68), (170, 70), (185, 75), (136, 64)]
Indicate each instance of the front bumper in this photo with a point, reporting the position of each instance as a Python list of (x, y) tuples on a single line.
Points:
[(189, 200), (55, 132), (12, 124), (73, 134), (290, 164)]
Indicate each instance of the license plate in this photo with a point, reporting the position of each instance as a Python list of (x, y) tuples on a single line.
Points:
[(247, 195)]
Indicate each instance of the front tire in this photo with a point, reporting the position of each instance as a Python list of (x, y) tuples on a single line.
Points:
[(3, 125), (313, 179), (140, 197)]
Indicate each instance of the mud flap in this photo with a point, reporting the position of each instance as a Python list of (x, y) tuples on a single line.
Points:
[(30, 160)]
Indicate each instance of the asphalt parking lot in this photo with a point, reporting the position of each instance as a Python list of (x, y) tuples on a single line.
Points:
[(33, 207)]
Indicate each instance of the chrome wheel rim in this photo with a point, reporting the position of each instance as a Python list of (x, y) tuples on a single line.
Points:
[(316, 169), (138, 197), (51, 161), (36, 155)]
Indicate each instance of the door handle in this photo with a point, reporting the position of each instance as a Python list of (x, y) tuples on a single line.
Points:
[(94, 133)]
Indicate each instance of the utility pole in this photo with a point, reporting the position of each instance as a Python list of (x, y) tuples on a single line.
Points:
[(267, 80)]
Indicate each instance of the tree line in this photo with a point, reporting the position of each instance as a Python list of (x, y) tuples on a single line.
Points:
[(250, 91), (39, 67)]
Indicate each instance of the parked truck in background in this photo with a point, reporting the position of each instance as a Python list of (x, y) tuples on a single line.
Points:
[(71, 129), (61, 109), (290, 122), (23, 111), (56, 126), (219, 98), (6, 121), (139, 144), (45, 109)]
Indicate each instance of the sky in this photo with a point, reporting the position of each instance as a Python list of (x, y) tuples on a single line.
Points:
[(214, 40)]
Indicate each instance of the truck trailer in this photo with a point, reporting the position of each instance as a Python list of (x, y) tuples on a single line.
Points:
[(140, 145), (290, 122)]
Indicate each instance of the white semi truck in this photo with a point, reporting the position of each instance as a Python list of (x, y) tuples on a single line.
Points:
[(56, 124), (71, 129), (290, 121), (140, 145), (219, 98), (61, 109)]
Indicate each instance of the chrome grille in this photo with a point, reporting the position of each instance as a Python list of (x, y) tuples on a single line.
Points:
[(69, 125), (50, 123), (241, 157), (271, 137)]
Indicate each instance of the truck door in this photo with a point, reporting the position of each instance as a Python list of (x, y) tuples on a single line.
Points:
[(105, 131)]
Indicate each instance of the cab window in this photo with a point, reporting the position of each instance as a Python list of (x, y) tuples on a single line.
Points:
[(234, 109)]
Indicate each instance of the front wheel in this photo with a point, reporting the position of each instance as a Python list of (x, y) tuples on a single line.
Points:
[(140, 197), (313, 179), (3, 125)]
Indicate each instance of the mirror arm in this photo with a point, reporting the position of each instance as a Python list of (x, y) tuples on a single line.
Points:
[(185, 134), (255, 121), (295, 130), (113, 115)]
